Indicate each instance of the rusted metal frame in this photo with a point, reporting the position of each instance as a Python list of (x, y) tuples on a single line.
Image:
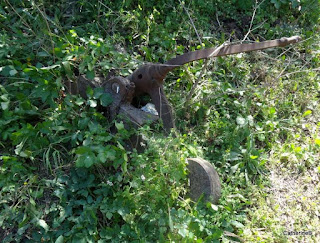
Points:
[(149, 78)]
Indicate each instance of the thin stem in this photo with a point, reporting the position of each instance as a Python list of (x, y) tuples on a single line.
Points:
[(252, 18), (192, 23)]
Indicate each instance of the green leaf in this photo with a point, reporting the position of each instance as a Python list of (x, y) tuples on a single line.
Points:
[(261, 137), (79, 101), (59, 239), (228, 208), (276, 3), (26, 70), (125, 157), (253, 156), (5, 105), (13, 72), (170, 219), (67, 68), (236, 224), (240, 121), (234, 168), (109, 215), (124, 167), (83, 150), (272, 110), (307, 113), (42, 54), (97, 92), (43, 68), (214, 207), (80, 161), (73, 33), (107, 233), (111, 154), (90, 66), (119, 125), (317, 141), (102, 157), (92, 103), (183, 232), (89, 161), (23, 229), (93, 127), (90, 75), (105, 99), (6, 70), (214, 236), (59, 128), (4, 97), (43, 224), (192, 150), (89, 92)]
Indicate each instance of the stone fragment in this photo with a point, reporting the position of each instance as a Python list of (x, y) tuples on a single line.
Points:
[(203, 180)]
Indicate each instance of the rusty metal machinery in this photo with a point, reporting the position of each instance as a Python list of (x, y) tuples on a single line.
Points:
[(149, 79)]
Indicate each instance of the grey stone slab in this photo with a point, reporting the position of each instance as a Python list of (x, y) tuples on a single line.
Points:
[(204, 179)]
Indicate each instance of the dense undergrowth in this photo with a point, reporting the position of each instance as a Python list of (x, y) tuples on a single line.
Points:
[(66, 174)]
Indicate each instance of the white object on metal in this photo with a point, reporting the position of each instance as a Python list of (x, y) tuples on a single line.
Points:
[(150, 108)]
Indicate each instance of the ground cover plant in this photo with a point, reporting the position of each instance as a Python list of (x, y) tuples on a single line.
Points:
[(66, 174)]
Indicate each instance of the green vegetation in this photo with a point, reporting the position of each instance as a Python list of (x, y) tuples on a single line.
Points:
[(65, 177)]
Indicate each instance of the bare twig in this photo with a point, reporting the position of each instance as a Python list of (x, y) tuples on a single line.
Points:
[(230, 234), (252, 18), (217, 18), (302, 71), (191, 21), (258, 26)]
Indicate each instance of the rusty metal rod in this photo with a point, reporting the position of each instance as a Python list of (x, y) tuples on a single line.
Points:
[(231, 49)]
